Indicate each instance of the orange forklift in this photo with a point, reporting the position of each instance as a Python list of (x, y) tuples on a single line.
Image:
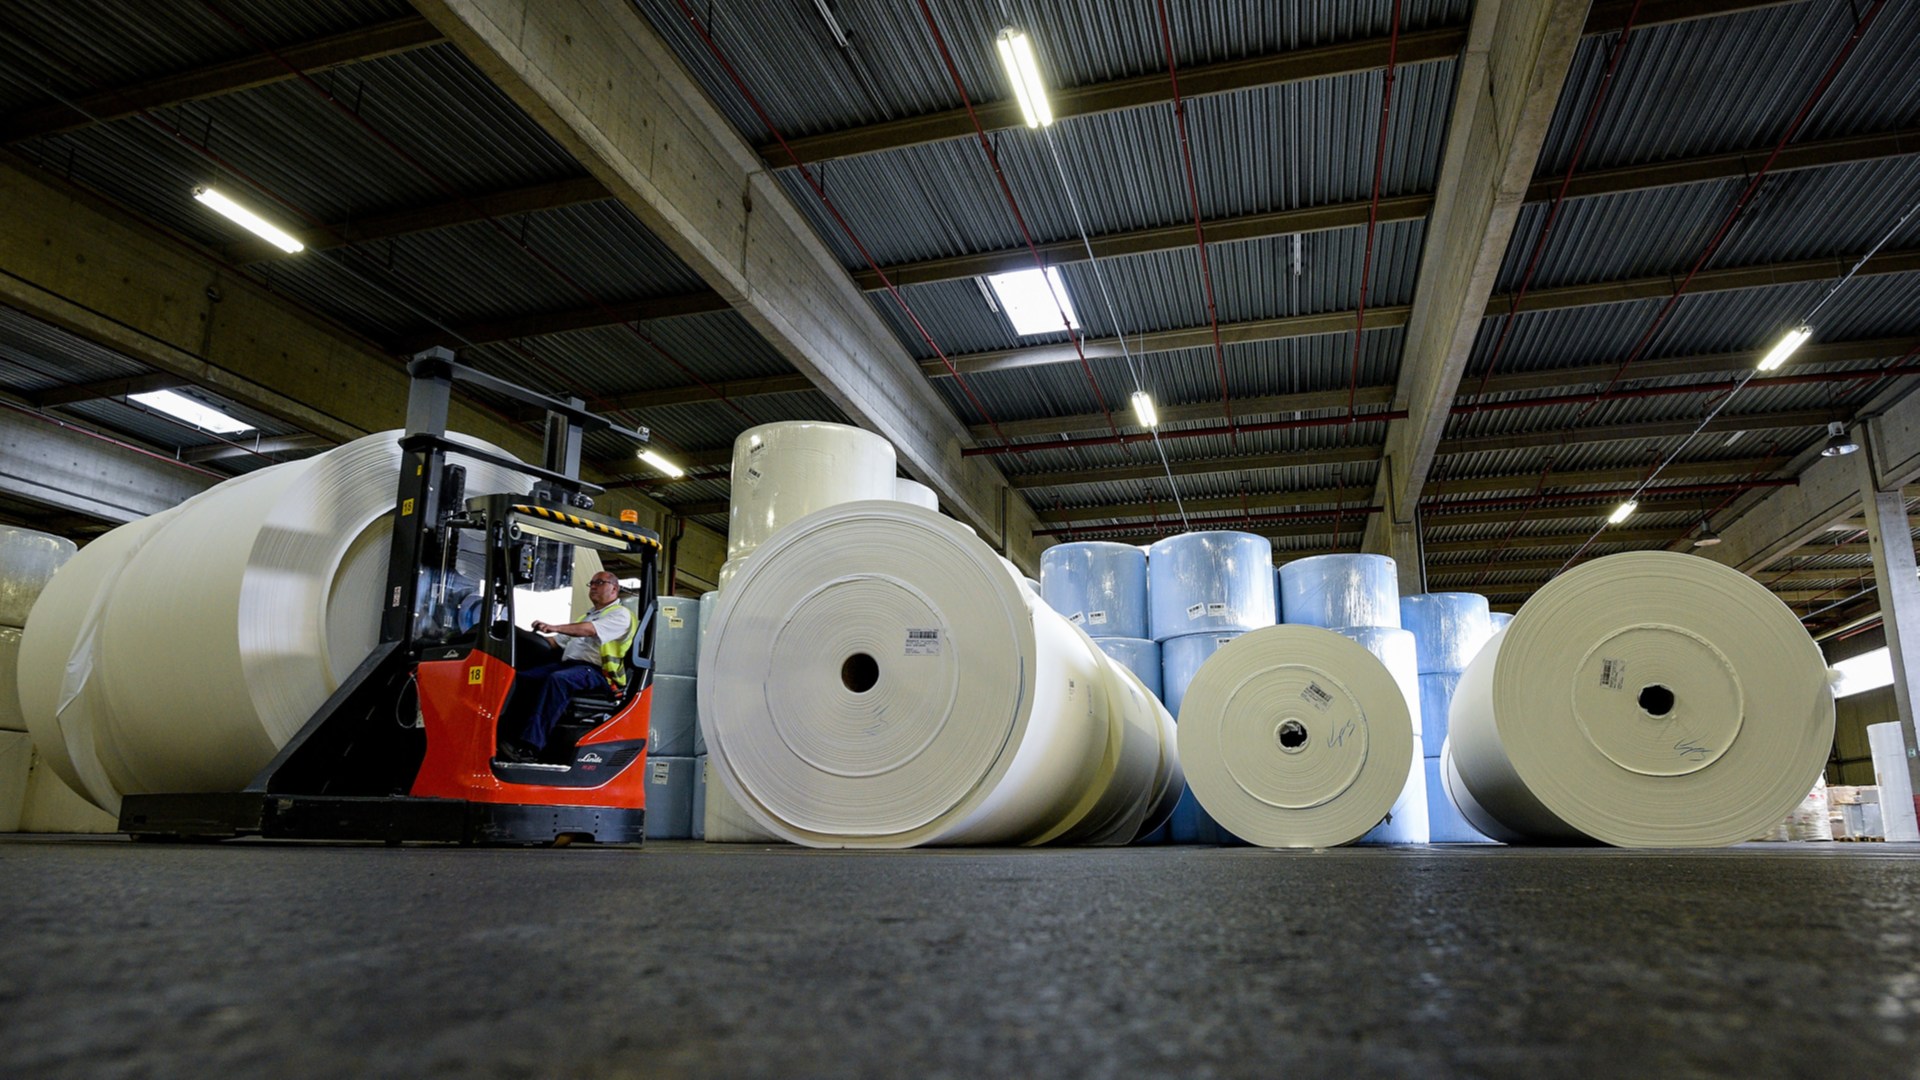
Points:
[(404, 749)]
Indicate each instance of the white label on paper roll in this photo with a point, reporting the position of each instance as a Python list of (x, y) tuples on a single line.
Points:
[(1613, 674), (1217, 608), (1097, 618), (1316, 696), (1076, 618), (753, 473), (1196, 610), (661, 770), (922, 642), (674, 623)]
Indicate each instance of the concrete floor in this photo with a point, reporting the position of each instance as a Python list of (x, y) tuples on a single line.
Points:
[(256, 959)]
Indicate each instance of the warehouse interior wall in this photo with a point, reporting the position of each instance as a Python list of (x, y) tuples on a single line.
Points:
[(1852, 760)]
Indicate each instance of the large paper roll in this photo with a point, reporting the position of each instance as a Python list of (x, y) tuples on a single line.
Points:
[(11, 718), (1340, 590), (1180, 661), (1294, 736), (1444, 823), (1436, 697), (916, 494), (1451, 627), (1407, 822), (783, 472), (27, 562), (1099, 587), (1650, 699), (676, 638), (1460, 797), (673, 721), (887, 683), (1206, 582), (1135, 772), (1138, 655), (669, 784), (16, 763), (1896, 784)]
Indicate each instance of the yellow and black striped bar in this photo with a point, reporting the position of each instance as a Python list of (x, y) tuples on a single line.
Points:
[(585, 523)]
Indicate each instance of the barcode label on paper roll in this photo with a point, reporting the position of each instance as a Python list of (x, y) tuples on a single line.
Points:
[(1217, 608), (1096, 618), (923, 642), (1076, 618), (661, 770), (1613, 674), (1196, 610), (1316, 696), (674, 623), (1223, 640)]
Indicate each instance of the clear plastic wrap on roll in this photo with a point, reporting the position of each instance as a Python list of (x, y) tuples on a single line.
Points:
[(27, 562), (783, 472), (1407, 822), (1180, 660), (1332, 591), (728, 571), (1099, 587), (1206, 582), (916, 493), (674, 720), (1294, 736), (1444, 823), (1650, 699), (1140, 656), (676, 637), (1436, 697), (669, 783), (1498, 620), (889, 684), (1450, 627), (1032, 585)]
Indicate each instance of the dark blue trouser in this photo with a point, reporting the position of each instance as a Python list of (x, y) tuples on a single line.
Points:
[(546, 688)]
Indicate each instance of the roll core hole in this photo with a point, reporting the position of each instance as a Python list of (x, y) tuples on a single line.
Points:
[(1657, 700), (859, 673), (1292, 735)]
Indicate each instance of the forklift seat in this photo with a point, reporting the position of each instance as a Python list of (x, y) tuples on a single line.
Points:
[(588, 711)]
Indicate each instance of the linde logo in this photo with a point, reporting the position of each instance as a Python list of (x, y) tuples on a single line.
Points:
[(590, 759)]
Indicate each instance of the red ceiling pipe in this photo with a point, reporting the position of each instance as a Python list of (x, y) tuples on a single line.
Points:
[(1373, 210), (1191, 433), (1206, 523), (1566, 497), (1809, 378)]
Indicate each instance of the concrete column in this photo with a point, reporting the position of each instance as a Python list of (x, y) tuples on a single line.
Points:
[(1889, 539), (1410, 556)]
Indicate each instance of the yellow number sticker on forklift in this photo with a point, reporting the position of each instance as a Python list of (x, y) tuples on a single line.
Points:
[(406, 507), (474, 675)]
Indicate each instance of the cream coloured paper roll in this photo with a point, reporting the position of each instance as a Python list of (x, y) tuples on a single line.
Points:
[(11, 718), (1131, 777), (783, 472), (1294, 736), (916, 493), (1462, 799), (888, 683), (28, 560), (1650, 699)]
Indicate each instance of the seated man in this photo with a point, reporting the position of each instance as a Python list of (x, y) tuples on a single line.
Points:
[(593, 658)]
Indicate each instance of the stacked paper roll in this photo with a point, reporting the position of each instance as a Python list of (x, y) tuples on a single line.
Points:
[(890, 684), (1450, 627), (1333, 591), (1497, 621), (676, 636), (1649, 699), (915, 493), (674, 721), (1138, 655), (1099, 587), (1209, 582), (28, 560), (1896, 784), (670, 791), (785, 471), (1445, 825), (185, 650), (1294, 736), (1407, 822), (697, 826), (1181, 659)]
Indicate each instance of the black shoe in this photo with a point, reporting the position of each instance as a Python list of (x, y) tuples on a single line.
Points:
[(514, 753)]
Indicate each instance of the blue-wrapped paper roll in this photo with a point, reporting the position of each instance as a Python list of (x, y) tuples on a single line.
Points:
[(669, 798), (1498, 620), (1099, 587), (1407, 822), (1450, 627), (675, 718), (1209, 581), (1444, 823), (676, 638), (1436, 694), (1395, 648), (1180, 659), (1138, 655), (1191, 824), (698, 828), (1340, 590)]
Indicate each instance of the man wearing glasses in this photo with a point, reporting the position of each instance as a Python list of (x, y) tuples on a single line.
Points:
[(592, 654)]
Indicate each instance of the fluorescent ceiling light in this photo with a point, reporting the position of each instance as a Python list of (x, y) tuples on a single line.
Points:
[(249, 220), (1623, 512), (1030, 305), (1023, 70), (1784, 347), (182, 407), (661, 463), (1859, 674), (1143, 409)]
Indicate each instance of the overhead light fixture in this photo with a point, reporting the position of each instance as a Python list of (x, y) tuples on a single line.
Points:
[(1707, 537), (1623, 512), (1838, 441), (1144, 411), (1016, 55), (662, 464), (1784, 348), (249, 220), (182, 407), (1034, 302)]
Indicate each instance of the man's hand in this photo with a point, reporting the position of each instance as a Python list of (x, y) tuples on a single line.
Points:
[(542, 627)]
